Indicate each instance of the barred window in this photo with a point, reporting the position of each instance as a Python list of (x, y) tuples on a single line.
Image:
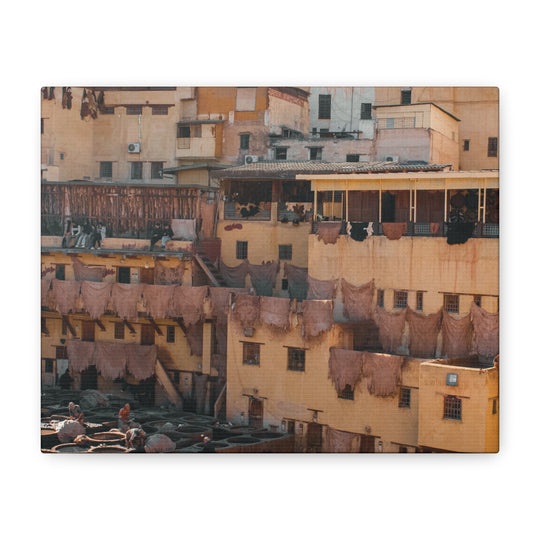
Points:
[(105, 169), (183, 132), (347, 393), (285, 252), (251, 354), (315, 154), (281, 153), (400, 299), (405, 398), (406, 97), (133, 109), (284, 284), (452, 408), (451, 303), (170, 334), (419, 301), (296, 359), (49, 365), (241, 249), (493, 146), (466, 145), (119, 330), (365, 113), (325, 101), (380, 297), (353, 157), (107, 110), (160, 110)]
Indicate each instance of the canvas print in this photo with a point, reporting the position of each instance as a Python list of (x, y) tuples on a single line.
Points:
[(269, 269)]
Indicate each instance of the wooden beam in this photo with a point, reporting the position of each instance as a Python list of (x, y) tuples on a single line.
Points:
[(65, 318), (181, 324), (155, 326), (129, 327), (100, 324)]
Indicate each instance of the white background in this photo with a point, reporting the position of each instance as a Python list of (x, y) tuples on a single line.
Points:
[(304, 43)]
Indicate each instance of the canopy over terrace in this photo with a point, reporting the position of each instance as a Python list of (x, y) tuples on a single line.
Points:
[(420, 194), (287, 183)]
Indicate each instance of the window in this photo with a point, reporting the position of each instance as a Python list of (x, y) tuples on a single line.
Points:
[(315, 154), (133, 109), (404, 398), (290, 427), (466, 145), (119, 330), (244, 141), (296, 359), (124, 274), (170, 334), (160, 110), (324, 106), (105, 169), (400, 299), (88, 331), (452, 408), (285, 252), (60, 272), (478, 300), (325, 133), (419, 301), (365, 112), (183, 132), (281, 153), (107, 110), (390, 123), (136, 170), (64, 327), (451, 303), (61, 352), (44, 326), (196, 130), (284, 284), (49, 365), (353, 157), (406, 97), (494, 406), (380, 297), (251, 354), (241, 249), (402, 449), (156, 169), (346, 393), (42, 126), (492, 146)]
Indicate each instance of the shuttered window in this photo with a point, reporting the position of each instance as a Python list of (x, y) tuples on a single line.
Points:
[(325, 101)]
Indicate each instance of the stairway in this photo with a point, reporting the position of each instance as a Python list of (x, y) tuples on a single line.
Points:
[(208, 267)]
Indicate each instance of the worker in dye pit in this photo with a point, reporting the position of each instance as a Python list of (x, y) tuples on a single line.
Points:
[(75, 413), (136, 439), (208, 447), (123, 418)]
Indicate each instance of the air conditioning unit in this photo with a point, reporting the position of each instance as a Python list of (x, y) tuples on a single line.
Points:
[(251, 159), (391, 158), (134, 148)]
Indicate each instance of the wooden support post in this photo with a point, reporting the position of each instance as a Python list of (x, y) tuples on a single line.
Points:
[(129, 327), (181, 324), (155, 326), (68, 324), (100, 324)]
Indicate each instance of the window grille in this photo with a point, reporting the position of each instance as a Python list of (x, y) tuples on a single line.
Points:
[(380, 297), (353, 157), (452, 408), (493, 146), (156, 169), (105, 169), (325, 101), (170, 334), (347, 393), (133, 109), (400, 299), (419, 301), (281, 153), (365, 113), (296, 359), (405, 398), (251, 354), (119, 331), (136, 170), (161, 110), (241, 249), (451, 303), (285, 252), (244, 141), (406, 96)]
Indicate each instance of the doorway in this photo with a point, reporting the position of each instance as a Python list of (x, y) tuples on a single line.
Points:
[(89, 378), (256, 413)]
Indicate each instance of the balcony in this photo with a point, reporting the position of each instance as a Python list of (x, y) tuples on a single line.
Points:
[(199, 139)]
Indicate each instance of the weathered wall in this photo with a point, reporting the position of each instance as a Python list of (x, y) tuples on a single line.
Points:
[(290, 394), (345, 109), (414, 264), (471, 433), (263, 240)]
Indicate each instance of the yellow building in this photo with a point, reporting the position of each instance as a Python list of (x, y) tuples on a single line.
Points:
[(420, 268)]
